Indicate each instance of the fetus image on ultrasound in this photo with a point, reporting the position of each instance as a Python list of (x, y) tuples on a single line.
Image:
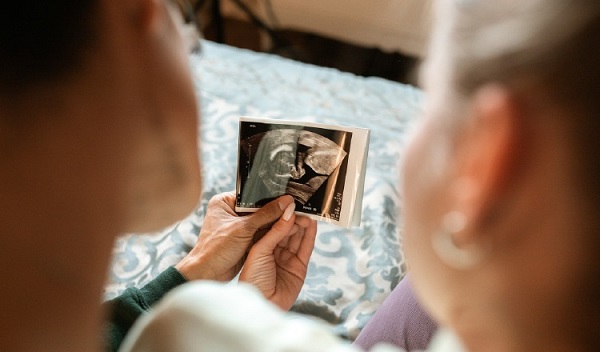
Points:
[(289, 161)]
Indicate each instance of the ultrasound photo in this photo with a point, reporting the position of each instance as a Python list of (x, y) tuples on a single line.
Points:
[(308, 163)]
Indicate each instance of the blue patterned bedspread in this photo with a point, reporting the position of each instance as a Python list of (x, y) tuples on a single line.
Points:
[(351, 270)]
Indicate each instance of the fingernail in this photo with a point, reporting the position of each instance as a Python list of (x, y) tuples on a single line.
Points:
[(287, 214), (284, 202)]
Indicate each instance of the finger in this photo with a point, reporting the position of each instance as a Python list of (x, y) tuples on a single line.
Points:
[(295, 241), (227, 198), (280, 230), (269, 213), (303, 221), (224, 201), (308, 243), (284, 242), (295, 229)]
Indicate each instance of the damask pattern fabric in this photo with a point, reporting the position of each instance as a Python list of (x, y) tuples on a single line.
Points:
[(351, 270)]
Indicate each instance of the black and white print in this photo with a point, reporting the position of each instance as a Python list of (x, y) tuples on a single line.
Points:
[(309, 163)]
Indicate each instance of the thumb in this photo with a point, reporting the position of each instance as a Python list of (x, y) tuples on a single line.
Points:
[(280, 230), (269, 213), (227, 198)]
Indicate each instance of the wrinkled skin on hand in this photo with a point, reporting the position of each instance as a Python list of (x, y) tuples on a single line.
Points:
[(277, 264), (273, 244)]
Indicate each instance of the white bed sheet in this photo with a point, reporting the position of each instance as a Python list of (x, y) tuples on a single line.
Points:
[(351, 270)]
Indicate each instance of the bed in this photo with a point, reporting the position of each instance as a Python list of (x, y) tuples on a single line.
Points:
[(352, 270)]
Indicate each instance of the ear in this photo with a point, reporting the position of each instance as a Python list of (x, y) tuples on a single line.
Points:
[(487, 157)]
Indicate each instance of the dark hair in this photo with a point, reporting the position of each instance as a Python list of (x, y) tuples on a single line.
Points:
[(42, 41)]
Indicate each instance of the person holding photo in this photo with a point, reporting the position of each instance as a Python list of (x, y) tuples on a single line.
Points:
[(98, 137), (272, 245), (501, 197)]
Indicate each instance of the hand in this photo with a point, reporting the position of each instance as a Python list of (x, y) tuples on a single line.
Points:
[(277, 264), (225, 238)]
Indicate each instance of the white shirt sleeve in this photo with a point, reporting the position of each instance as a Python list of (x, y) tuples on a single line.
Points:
[(208, 316)]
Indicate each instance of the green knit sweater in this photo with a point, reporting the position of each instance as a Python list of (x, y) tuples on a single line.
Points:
[(126, 309)]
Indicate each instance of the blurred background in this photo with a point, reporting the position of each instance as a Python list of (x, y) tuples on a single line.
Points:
[(383, 38)]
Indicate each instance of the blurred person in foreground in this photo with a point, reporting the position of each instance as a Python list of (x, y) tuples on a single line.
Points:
[(501, 197), (501, 180), (98, 117), (98, 137)]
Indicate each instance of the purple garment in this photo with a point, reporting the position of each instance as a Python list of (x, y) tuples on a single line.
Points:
[(400, 321)]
